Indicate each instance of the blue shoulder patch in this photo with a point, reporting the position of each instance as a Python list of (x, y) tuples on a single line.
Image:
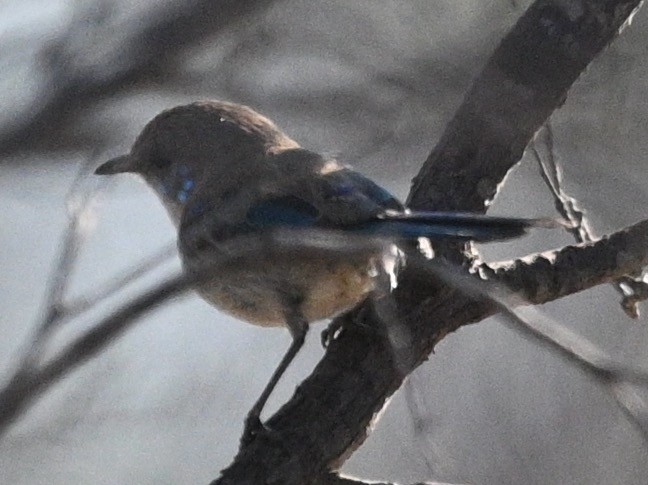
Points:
[(288, 211)]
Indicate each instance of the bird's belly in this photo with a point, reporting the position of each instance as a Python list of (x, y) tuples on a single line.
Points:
[(323, 288)]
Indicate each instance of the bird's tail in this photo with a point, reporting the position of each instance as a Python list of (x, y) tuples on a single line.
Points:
[(456, 225)]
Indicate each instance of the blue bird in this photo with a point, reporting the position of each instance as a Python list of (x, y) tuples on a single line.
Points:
[(228, 175)]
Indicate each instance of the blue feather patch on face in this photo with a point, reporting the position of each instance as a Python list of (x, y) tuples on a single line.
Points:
[(177, 183), (182, 196), (187, 187)]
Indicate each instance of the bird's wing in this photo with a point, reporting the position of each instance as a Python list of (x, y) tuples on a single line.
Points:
[(339, 199), (345, 199), (282, 211)]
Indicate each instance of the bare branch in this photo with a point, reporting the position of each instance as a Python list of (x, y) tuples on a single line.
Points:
[(613, 376), (547, 276), (524, 81), (85, 302), (79, 206), (29, 382), (632, 290), (137, 60), (423, 431), (32, 377), (551, 173)]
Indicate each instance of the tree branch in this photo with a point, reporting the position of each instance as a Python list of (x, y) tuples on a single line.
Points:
[(543, 277), (29, 382), (137, 60), (523, 82), (334, 479), (632, 290)]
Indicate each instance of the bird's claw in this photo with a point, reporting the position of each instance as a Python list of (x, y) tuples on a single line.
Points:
[(350, 320), (331, 332), (253, 427)]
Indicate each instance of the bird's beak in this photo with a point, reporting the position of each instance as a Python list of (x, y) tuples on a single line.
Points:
[(122, 164)]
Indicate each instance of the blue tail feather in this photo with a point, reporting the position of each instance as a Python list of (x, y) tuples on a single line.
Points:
[(437, 225)]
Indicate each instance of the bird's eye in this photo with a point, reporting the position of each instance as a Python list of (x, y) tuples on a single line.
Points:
[(160, 163)]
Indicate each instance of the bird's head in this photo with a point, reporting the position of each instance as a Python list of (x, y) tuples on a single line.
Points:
[(186, 146)]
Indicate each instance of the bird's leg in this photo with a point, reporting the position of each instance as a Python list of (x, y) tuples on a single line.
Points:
[(298, 327)]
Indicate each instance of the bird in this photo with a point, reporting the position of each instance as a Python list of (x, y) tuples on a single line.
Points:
[(228, 176)]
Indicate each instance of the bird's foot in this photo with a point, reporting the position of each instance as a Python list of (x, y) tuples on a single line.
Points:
[(331, 332), (252, 429), (354, 320)]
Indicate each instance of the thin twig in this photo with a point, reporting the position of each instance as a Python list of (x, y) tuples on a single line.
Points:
[(30, 382), (156, 45), (30, 377), (421, 424), (632, 290), (78, 202), (613, 376), (84, 303)]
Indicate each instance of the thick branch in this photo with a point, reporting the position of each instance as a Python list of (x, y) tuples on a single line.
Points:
[(524, 81)]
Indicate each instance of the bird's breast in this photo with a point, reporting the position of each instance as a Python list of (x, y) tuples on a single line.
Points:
[(257, 293)]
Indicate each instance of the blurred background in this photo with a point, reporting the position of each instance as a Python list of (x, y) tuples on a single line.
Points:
[(372, 82)]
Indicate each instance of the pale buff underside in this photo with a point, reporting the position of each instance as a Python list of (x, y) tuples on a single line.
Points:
[(332, 288)]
